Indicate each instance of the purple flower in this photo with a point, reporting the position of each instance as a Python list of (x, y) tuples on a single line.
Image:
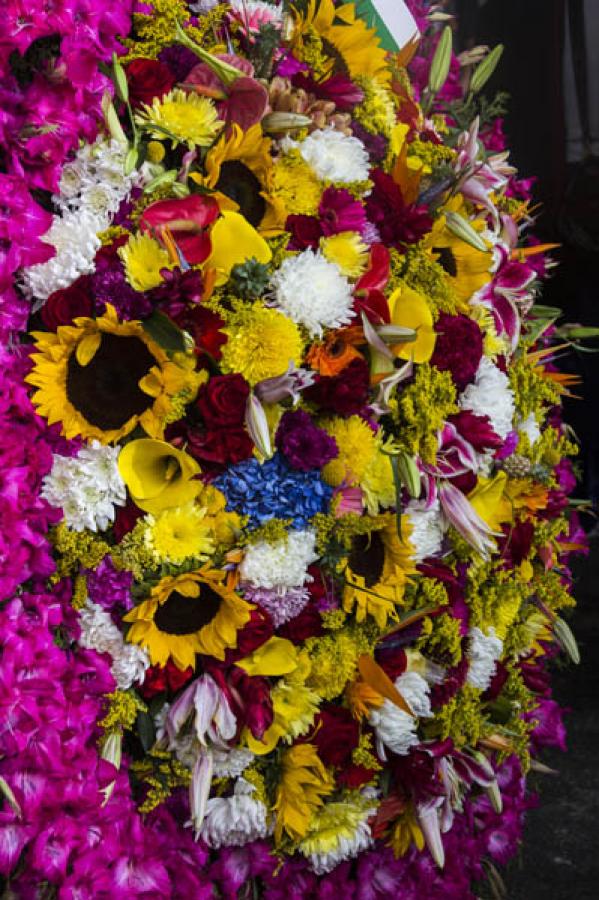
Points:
[(304, 444)]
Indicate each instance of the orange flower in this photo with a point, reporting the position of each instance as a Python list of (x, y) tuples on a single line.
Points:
[(336, 352)]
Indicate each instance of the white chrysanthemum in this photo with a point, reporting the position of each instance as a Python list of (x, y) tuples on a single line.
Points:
[(393, 727), (428, 527), (334, 156), (311, 291), (99, 633), (281, 565), (237, 820), (86, 487), (75, 238), (491, 396), (338, 831), (530, 427), (231, 763), (483, 652)]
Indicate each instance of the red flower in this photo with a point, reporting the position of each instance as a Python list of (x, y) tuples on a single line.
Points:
[(205, 329), (63, 306), (477, 430), (187, 219), (368, 293), (252, 702), (399, 224), (148, 78), (307, 624), (223, 400), (126, 517), (345, 394), (336, 735), (459, 348), (254, 633), (159, 679), (222, 446), (355, 776)]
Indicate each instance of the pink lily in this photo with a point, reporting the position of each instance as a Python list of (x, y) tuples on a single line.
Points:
[(465, 519)]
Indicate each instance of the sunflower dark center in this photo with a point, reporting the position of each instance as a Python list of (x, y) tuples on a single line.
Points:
[(186, 615), (447, 260), (106, 391), (241, 185), (367, 557), (341, 67)]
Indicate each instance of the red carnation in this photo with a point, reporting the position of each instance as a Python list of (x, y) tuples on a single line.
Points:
[(477, 430), (223, 400), (399, 224), (345, 394), (148, 78), (307, 624), (159, 679), (459, 348)]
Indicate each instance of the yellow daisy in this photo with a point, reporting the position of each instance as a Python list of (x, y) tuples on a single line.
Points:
[(101, 378), (182, 117), (186, 615)]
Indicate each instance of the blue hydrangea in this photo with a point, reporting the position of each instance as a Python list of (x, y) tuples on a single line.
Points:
[(274, 490)]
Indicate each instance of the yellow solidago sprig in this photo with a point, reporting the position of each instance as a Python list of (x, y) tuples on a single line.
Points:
[(182, 118)]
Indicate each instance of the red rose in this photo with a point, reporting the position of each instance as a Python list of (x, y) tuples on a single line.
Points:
[(254, 633), (126, 517), (223, 400), (336, 735), (223, 446), (63, 306), (307, 624), (148, 78)]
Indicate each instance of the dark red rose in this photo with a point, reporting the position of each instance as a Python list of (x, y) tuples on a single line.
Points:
[(223, 400), (459, 348), (345, 394), (125, 519), (148, 78), (336, 735), (63, 306), (399, 224), (307, 624), (205, 329), (221, 447)]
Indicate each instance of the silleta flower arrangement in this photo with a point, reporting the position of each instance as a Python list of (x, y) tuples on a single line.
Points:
[(284, 477)]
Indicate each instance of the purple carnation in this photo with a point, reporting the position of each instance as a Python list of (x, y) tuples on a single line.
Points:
[(110, 588), (304, 444)]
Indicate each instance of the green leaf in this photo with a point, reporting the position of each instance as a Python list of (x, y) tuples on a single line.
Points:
[(166, 334), (145, 730), (120, 79)]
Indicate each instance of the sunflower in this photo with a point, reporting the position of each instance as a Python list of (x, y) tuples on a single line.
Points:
[(468, 268), (239, 168), (349, 46), (188, 614), (101, 378), (378, 567)]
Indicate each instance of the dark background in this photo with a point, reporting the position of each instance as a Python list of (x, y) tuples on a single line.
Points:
[(559, 859)]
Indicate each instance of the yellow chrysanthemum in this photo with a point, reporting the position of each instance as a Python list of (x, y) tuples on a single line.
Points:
[(357, 445), (304, 782), (179, 534), (337, 825), (378, 484), (377, 571), (143, 258), (350, 45), (348, 251), (186, 615), (296, 186), (225, 525), (182, 117), (101, 378), (239, 168), (261, 344)]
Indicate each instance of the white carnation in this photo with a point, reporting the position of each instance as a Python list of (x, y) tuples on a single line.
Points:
[(281, 565), (99, 633), (334, 156), (428, 527), (393, 727), (483, 652), (311, 291), (87, 487), (491, 396), (237, 820)]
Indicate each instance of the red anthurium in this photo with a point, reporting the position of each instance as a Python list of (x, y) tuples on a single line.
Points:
[(368, 293), (187, 220), (243, 102)]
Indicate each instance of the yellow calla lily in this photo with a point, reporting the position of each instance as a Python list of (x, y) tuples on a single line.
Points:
[(158, 475), (409, 309), (277, 656), (489, 500), (234, 241)]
